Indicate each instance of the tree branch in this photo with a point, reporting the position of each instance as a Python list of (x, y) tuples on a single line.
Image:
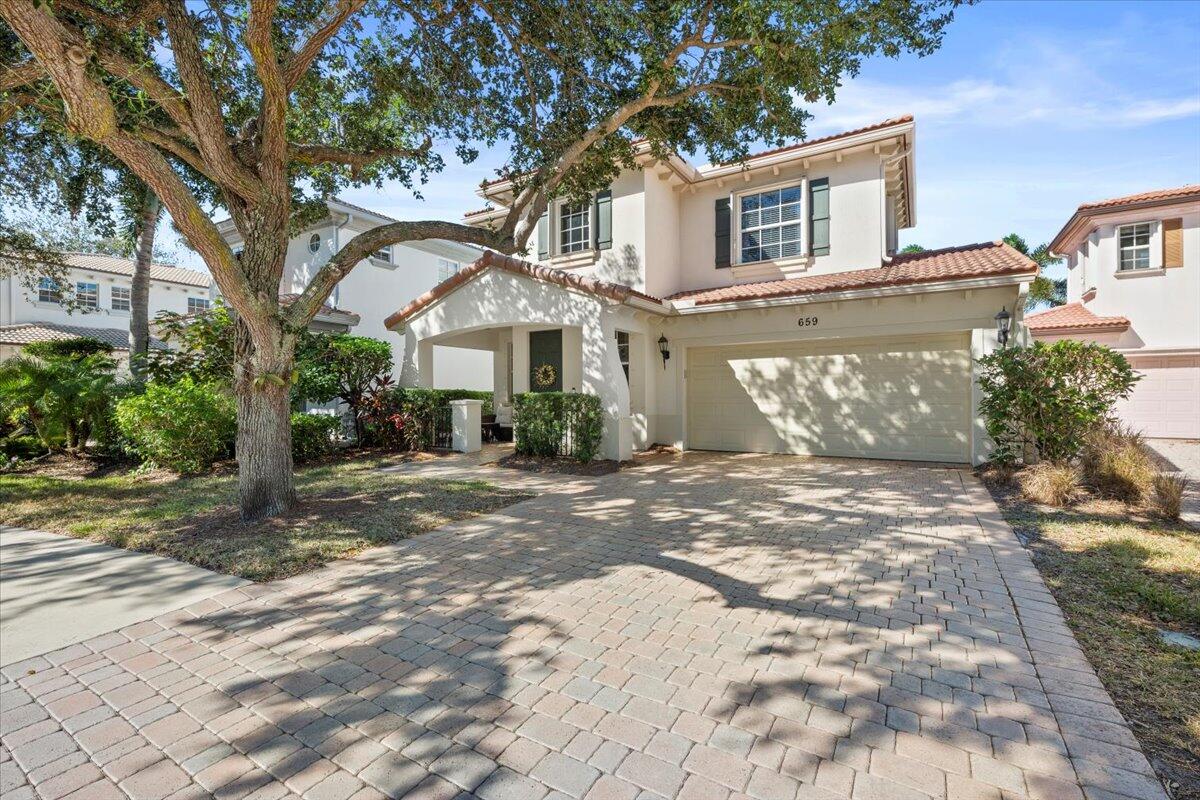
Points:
[(355, 159), (20, 74), (208, 123), (118, 23), (272, 117), (362, 246), (328, 24)]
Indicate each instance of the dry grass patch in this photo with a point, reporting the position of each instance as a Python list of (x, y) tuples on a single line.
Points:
[(1120, 575), (1050, 484), (345, 507)]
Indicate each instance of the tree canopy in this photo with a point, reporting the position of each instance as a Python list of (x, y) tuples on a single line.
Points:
[(1043, 289), (264, 107)]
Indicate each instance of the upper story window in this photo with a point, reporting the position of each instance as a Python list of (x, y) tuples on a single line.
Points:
[(446, 269), (383, 254), (314, 243), (574, 228), (197, 305), (770, 224), (121, 298), (48, 291), (87, 295), (1133, 246)]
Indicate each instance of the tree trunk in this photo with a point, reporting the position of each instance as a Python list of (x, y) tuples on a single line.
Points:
[(264, 357), (139, 295)]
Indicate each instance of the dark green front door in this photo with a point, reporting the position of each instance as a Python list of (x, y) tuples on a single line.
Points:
[(545, 361)]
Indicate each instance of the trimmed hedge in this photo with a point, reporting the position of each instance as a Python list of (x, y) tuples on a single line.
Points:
[(312, 436), (550, 424), (417, 399)]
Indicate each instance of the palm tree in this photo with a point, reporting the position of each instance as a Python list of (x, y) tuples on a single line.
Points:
[(1043, 289), (142, 209)]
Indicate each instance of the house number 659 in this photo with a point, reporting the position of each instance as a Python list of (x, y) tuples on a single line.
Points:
[(808, 322)]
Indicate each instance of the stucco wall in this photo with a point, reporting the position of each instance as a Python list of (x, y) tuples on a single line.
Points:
[(1162, 305), (19, 305)]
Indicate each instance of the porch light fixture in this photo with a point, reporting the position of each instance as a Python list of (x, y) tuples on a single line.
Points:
[(663, 349), (1003, 319)]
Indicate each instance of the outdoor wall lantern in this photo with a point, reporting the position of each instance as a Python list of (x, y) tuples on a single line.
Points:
[(1002, 322), (662, 348)]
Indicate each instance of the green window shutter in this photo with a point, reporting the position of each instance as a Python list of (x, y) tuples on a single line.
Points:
[(721, 241), (543, 236), (818, 216), (603, 205)]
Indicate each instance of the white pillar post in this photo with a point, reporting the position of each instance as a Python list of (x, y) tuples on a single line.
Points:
[(466, 419)]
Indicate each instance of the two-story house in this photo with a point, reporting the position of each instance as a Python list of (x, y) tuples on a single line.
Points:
[(100, 289), (759, 306), (1133, 283), (369, 293)]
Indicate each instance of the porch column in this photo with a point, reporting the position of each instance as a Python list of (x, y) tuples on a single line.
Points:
[(425, 364)]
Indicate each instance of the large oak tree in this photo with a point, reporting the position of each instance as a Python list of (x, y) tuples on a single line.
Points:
[(263, 107)]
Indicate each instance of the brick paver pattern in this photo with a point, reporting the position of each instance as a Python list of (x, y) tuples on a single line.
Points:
[(713, 627)]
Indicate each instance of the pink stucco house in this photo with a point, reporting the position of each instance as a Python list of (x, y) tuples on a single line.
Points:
[(1133, 283)]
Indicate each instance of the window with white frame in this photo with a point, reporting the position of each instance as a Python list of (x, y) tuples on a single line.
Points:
[(383, 254), (121, 298), (314, 243), (574, 228), (623, 352), (87, 294), (48, 291), (769, 224), (197, 305), (1133, 246), (446, 269)]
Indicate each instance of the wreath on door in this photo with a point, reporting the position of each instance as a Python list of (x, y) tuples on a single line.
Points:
[(544, 376)]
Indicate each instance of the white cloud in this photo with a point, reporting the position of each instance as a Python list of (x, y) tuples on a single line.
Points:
[(1039, 82)]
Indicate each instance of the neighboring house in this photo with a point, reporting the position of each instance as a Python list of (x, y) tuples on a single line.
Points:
[(758, 306), (1133, 283), (369, 293), (100, 287)]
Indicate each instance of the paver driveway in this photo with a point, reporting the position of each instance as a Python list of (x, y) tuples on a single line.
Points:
[(719, 626)]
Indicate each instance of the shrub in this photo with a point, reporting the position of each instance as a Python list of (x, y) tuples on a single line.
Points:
[(549, 424), (183, 426), (1049, 396), (63, 397), (1050, 483), (312, 436), (1169, 488), (1116, 464), (69, 349), (407, 419)]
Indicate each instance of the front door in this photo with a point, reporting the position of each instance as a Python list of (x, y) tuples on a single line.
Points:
[(545, 361)]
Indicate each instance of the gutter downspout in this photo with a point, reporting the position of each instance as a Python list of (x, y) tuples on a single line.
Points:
[(884, 162), (337, 245)]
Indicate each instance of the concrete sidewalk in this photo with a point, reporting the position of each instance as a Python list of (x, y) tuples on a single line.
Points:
[(56, 591)]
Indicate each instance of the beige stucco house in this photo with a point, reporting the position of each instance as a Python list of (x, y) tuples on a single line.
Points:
[(758, 306), (1133, 283)]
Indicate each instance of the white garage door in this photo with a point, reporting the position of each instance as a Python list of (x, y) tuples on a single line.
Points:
[(907, 398), (1166, 401)]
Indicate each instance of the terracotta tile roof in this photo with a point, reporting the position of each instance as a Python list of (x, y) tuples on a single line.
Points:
[(887, 123), (30, 332), (1178, 193), (989, 259), (1078, 223), (1072, 317), (287, 298), (490, 259), (114, 265)]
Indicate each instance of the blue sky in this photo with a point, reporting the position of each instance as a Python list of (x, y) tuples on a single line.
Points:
[(1027, 110)]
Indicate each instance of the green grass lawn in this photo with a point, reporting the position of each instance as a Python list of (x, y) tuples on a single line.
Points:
[(1119, 576), (344, 507)]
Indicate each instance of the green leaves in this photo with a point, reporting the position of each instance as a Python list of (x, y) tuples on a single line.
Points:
[(1047, 397)]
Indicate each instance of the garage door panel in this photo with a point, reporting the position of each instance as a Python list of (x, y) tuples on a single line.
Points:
[(1166, 401), (902, 399)]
